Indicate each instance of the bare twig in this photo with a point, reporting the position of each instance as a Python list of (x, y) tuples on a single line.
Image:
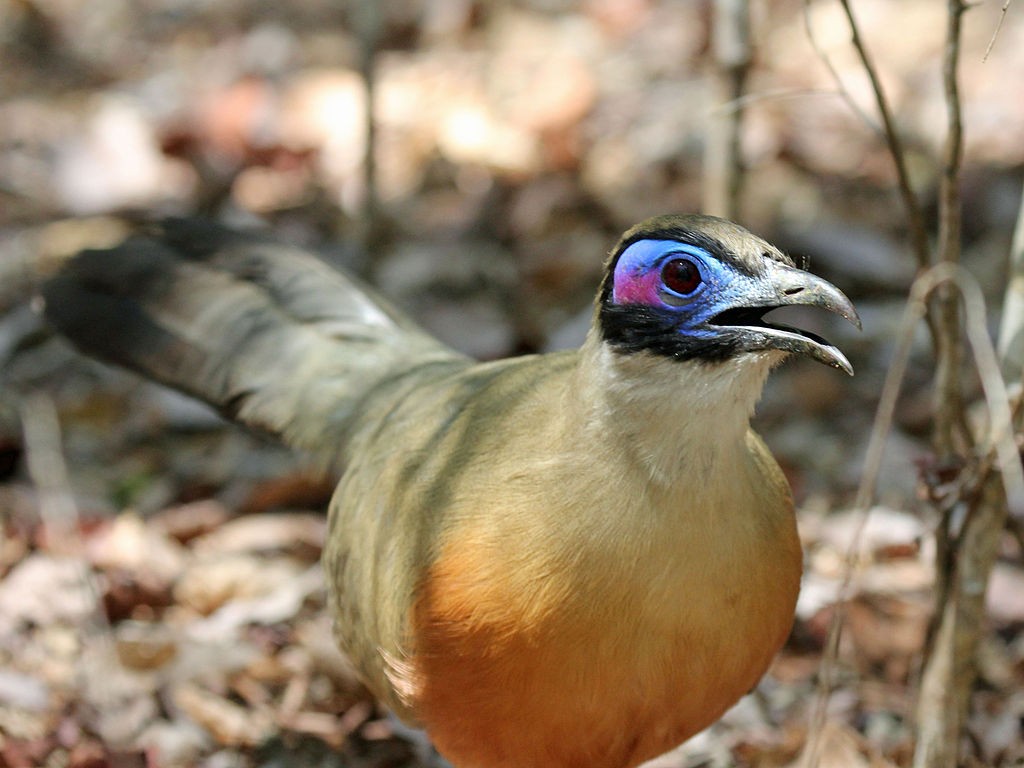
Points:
[(844, 92), (949, 674), (951, 432), (958, 640), (949, 671), (995, 33), (880, 429), (723, 164), (369, 22), (1000, 438), (963, 559), (48, 472), (110, 691), (1011, 327), (915, 215), (966, 554)]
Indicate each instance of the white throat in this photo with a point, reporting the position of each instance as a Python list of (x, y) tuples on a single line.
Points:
[(661, 409)]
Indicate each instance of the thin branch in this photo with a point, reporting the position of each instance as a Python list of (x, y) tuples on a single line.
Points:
[(369, 23), (723, 159), (48, 471), (995, 33), (1000, 439), (990, 462), (951, 431), (963, 557), (1011, 327), (949, 670), (101, 678), (844, 92), (952, 155), (881, 427), (915, 215)]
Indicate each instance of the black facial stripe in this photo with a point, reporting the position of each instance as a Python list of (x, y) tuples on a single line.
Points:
[(632, 328)]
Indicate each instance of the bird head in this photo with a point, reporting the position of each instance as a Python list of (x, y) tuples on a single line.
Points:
[(697, 288)]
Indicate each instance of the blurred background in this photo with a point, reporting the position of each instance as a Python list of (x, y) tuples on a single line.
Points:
[(476, 161)]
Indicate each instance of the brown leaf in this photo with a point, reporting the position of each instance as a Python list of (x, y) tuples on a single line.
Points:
[(88, 753), (131, 545), (143, 645), (188, 521), (229, 724), (299, 490), (842, 747), (43, 590), (300, 533), (887, 632), (213, 582)]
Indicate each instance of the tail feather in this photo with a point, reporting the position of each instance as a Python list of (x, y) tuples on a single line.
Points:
[(268, 334)]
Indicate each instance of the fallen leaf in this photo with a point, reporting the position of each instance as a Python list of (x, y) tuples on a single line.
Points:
[(23, 691), (278, 604), (217, 581), (129, 544), (839, 746), (44, 590), (230, 724), (189, 521), (266, 533), (175, 743)]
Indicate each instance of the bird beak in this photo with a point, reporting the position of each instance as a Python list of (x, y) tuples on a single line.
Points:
[(786, 286)]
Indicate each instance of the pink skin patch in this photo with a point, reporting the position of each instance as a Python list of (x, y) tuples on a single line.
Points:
[(636, 280)]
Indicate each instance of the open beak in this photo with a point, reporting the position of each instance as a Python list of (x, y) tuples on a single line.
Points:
[(785, 286)]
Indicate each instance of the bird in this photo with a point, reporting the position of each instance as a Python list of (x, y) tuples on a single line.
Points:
[(576, 559)]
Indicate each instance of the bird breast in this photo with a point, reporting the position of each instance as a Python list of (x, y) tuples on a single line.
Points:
[(632, 632)]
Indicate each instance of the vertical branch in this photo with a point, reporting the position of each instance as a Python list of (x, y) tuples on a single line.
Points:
[(915, 216), (948, 674), (949, 413), (369, 23), (49, 473), (880, 429), (723, 165), (1011, 327), (965, 558), (949, 435), (844, 92), (951, 670)]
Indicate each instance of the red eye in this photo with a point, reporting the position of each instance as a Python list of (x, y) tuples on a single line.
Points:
[(680, 276)]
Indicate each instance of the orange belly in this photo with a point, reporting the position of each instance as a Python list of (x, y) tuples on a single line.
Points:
[(605, 685)]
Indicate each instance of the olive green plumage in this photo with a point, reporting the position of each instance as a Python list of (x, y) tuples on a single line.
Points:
[(565, 560)]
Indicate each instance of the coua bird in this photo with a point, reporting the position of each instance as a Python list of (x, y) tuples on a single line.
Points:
[(568, 560)]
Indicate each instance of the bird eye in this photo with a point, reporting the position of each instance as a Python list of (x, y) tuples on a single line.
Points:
[(680, 276)]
